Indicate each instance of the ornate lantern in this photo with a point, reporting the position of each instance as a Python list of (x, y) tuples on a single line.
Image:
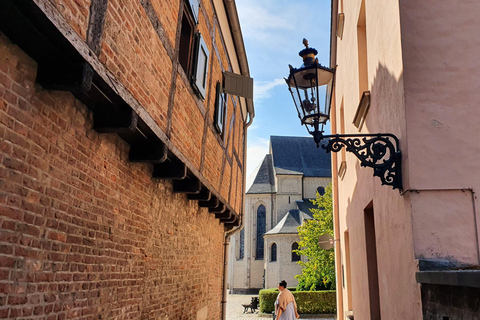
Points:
[(311, 88), (312, 82)]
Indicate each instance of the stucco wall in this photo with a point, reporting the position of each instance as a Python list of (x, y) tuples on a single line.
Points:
[(442, 72), (358, 188)]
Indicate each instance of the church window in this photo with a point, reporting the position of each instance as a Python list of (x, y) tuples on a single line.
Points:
[(273, 253), (242, 244), (295, 255), (321, 191), (261, 228)]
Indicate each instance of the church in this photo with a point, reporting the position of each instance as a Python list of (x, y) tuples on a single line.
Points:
[(276, 204)]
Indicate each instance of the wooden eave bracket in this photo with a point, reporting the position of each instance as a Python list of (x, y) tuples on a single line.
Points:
[(62, 67)]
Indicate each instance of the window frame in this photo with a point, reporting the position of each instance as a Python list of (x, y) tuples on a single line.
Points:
[(273, 245), (260, 241), (295, 256), (241, 245), (220, 112), (200, 66)]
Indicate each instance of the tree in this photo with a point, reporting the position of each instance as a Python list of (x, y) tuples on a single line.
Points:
[(318, 272)]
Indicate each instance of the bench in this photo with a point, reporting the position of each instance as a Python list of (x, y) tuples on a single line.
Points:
[(253, 305)]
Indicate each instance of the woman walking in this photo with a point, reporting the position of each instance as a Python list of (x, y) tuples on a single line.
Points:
[(285, 305)]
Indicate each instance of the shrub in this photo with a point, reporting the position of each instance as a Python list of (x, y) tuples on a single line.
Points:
[(308, 302)]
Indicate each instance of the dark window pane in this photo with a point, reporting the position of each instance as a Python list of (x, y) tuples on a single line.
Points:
[(186, 40), (273, 256), (295, 256), (261, 226), (321, 191), (242, 244), (220, 106)]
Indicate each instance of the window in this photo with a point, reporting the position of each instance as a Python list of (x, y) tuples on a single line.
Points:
[(273, 253), (220, 108), (185, 54), (295, 256), (193, 53), (321, 191), (261, 227), (242, 244), (362, 51), (200, 73)]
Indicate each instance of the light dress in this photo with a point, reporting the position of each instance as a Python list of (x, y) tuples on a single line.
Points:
[(286, 302), (288, 314)]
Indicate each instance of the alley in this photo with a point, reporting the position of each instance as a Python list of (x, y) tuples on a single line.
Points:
[(235, 309)]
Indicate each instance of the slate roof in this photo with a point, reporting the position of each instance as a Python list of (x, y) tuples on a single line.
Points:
[(289, 224), (305, 206), (264, 177), (299, 155)]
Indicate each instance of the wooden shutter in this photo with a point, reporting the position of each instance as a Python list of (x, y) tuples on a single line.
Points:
[(219, 115), (194, 5), (200, 71)]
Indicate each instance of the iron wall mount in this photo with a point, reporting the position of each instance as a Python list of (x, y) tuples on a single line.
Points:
[(379, 151)]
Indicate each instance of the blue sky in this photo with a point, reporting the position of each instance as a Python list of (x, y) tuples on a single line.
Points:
[(273, 31)]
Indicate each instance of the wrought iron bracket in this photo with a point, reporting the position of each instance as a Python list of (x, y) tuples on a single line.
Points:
[(379, 151)]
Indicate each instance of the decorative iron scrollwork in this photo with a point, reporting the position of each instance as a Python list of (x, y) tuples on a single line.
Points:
[(377, 151)]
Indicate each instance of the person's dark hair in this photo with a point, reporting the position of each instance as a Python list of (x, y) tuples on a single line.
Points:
[(283, 283)]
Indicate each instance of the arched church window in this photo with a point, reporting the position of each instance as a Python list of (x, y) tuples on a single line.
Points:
[(321, 191), (242, 244), (261, 228), (295, 256), (273, 252)]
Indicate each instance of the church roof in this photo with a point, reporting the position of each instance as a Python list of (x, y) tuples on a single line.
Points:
[(290, 223), (305, 206), (299, 156), (264, 178)]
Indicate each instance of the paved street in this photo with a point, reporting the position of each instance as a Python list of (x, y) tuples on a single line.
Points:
[(235, 309)]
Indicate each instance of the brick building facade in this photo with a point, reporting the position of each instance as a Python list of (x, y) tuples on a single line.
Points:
[(121, 157)]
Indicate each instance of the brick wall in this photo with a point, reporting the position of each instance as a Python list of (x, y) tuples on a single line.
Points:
[(85, 234)]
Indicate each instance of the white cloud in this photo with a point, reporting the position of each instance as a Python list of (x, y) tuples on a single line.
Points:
[(267, 21), (256, 151), (262, 89)]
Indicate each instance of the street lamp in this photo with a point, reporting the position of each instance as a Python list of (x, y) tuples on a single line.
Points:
[(311, 82)]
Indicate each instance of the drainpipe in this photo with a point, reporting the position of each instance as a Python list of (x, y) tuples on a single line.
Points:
[(229, 233), (234, 23)]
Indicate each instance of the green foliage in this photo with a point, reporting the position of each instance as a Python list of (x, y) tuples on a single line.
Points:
[(318, 273), (308, 302), (267, 299)]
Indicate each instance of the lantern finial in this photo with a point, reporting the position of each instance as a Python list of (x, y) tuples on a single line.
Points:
[(305, 43)]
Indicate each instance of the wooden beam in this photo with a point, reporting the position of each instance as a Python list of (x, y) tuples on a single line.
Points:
[(203, 195), (151, 152), (123, 122), (227, 214), (172, 169), (231, 225), (96, 24), (229, 219), (218, 209), (187, 185), (212, 203)]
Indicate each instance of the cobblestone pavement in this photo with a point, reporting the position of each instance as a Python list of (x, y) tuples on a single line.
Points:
[(235, 309)]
